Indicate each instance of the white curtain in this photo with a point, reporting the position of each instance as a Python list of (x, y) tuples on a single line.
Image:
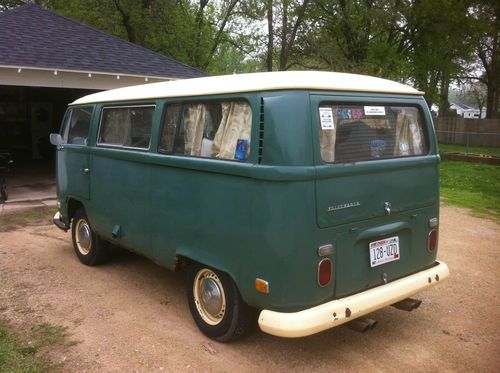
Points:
[(194, 124), (236, 124), (408, 134)]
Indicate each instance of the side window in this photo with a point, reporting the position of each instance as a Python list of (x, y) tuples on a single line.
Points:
[(353, 133), (128, 127), (76, 125), (215, 129)]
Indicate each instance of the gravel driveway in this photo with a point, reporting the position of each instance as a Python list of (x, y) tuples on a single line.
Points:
[(131, 315)]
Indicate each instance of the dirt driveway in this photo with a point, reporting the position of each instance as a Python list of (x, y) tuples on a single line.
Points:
[(131, 315)]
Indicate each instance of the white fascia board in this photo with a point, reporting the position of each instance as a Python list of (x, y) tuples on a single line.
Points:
[(41, 77)]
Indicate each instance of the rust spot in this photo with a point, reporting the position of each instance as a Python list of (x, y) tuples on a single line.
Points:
[(347, 312), (430, 280), (437, 277)]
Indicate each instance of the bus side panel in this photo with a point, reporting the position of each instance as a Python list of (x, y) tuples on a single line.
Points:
[(246, 227), (120, 199)]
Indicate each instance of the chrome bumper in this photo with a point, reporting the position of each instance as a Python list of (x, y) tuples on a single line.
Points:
[(340, 311), (59, 223)]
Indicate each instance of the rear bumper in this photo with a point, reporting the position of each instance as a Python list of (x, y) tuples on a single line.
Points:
[(59, 222), (340, 311)]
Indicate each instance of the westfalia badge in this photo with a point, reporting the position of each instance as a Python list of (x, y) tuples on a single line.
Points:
[(343, 206)]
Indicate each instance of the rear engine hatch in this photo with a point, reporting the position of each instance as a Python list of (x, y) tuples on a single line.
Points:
[(359, 192)]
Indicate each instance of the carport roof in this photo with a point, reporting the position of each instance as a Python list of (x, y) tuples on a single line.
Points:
[(34, 37)]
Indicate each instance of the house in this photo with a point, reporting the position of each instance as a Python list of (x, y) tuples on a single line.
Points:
[(466, 111), (48, 60)]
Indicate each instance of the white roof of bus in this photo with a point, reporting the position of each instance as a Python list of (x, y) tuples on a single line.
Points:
[(255, 82)]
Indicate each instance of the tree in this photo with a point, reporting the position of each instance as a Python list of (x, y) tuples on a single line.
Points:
[(474, 93), (360, 36), (9, 4), (188, 31), (486, 16), (438, 56)]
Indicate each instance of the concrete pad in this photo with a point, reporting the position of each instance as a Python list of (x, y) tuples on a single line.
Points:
[(29, 186), (31, 192)]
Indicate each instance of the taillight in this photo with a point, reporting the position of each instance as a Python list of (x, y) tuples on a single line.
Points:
[(432, 241), (324, 272)]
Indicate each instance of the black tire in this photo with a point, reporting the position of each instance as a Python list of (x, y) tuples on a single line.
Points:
[(224, 321), (88, 246)]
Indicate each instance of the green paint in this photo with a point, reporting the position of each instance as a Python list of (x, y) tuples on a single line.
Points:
[(262, 220)]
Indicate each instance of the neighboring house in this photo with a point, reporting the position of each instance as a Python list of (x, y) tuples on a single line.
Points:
[(467, 111), (48, 60)]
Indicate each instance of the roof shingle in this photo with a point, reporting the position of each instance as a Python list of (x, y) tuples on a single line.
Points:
[(32, 36)]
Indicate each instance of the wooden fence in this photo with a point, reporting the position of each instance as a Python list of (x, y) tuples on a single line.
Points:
[(469, 132)]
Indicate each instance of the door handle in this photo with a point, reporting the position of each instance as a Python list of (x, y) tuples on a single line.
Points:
[(85, 170)]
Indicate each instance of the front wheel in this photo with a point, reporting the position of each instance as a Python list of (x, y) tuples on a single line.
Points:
[(216, 304), (88, 246)]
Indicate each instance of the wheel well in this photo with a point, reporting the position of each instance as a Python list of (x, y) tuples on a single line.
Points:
[(73, 205), (182, 262)]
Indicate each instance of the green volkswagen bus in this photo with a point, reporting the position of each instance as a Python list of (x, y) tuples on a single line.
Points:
[(297, 201)]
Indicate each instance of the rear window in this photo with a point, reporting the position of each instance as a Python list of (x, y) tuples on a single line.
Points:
[(353, 133)]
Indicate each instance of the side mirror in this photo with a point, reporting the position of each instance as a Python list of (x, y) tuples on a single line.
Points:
[(56, 139)]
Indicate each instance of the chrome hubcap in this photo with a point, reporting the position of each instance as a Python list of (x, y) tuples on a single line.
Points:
[(209, 296), (83, 237)]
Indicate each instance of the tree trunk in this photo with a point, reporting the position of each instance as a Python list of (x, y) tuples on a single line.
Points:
[(492, 99), (220, 31), (287, 41), (270, 36), (132, 36), (444, 105)]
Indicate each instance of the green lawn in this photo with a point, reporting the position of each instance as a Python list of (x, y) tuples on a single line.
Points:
[(25, 351), (15, 357), (472, 185), (18, 219), (470, 149)]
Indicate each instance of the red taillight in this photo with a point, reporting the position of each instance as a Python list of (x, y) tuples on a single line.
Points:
[(433, 240), (324, 272)]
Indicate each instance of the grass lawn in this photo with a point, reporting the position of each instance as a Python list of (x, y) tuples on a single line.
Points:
[(470, 149), (18, 356), (472, 185), (14, 357), (18, 219)]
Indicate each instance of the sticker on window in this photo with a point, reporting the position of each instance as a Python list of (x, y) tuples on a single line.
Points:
[(326, 118), (241, 149), (374, 110)]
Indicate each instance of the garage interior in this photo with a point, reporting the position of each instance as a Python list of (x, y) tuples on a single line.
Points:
[(28, 115)]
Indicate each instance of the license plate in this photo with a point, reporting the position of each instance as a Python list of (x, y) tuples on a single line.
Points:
[(384, 251)]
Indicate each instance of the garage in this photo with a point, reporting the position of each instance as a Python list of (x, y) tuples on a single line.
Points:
[(46, 62)]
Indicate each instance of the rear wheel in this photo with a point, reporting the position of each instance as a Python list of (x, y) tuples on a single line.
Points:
[(88, 246), (216, 304)]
